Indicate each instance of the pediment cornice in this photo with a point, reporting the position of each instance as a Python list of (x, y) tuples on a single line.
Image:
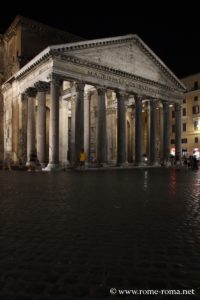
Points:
[(109, 70), (65, 52), (101, 72), (78, 61), (119, 40)]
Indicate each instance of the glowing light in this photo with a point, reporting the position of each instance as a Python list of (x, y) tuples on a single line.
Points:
[(198, 125), (172, 152)]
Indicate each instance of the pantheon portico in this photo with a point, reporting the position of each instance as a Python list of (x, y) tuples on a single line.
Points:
[(110, 96)]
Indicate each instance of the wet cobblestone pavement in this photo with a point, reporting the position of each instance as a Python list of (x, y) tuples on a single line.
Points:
[(75, 235)]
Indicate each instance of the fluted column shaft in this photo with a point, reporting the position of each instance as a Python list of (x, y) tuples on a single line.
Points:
[(121, 128), (153, 131), (178, 130), (42, 88), (138, 129), (55, 86), (101, 126), (72, 137), (166, 130), (79, 120), (31, 93), (87, 100)]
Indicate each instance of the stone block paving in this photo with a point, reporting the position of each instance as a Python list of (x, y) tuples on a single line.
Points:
[(75, 235)]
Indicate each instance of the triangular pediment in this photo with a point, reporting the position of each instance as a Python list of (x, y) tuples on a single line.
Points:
[(127, 54)]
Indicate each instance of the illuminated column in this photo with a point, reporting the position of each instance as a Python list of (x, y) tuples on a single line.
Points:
[(42, 88), (63, 132), (166, 130), (101, 126), (79, 119), (121, 128), (55, 86), (73, 117), (138, 129), (87, 101), (31, 93), (178, 130), (153, 131)]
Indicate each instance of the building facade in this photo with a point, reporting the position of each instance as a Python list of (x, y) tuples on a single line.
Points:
[(110, 96), (190, 118)]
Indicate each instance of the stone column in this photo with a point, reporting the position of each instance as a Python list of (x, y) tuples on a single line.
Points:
[(87, 100), (101, 126), (166, 131), (42, 88), (79, 119), (55, 86), (31, 93), (72, 137), (153, 131), (178, 130), (138, 129), (22, 145), (121, 128), (63, 132)]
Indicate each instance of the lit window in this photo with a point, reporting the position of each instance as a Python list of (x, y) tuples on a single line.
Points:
[(197, 124)]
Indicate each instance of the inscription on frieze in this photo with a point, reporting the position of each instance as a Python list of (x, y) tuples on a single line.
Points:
[(154, 92)]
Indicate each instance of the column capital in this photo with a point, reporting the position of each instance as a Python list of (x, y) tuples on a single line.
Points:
[(153, 103), (42, 86), (121, 94), (30, 92), (177, 106), (80, 85), (164, 102), (101, 90), (56, 79), (23, 96), (165, 105), (138, 98)]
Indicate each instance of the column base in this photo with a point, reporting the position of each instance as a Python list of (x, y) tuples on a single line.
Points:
[(140, 164), (155, 164), (43, 165), (101, 165), (52, 167), (122, 164), (87, 164), (112, 163)]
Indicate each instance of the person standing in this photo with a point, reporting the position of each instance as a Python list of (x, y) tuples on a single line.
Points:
[(82, 159)]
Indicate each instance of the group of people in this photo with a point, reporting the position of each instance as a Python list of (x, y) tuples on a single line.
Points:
[(191, 162), (188, 162), (34, 164)]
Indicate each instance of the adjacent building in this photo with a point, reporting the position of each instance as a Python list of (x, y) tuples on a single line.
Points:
[(190, 138), (110, 96)]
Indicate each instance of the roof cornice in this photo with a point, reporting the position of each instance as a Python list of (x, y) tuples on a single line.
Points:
[(40, 27), (41, 57)]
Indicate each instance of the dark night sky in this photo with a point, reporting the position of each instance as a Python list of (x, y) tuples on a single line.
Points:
[(171, 32)]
